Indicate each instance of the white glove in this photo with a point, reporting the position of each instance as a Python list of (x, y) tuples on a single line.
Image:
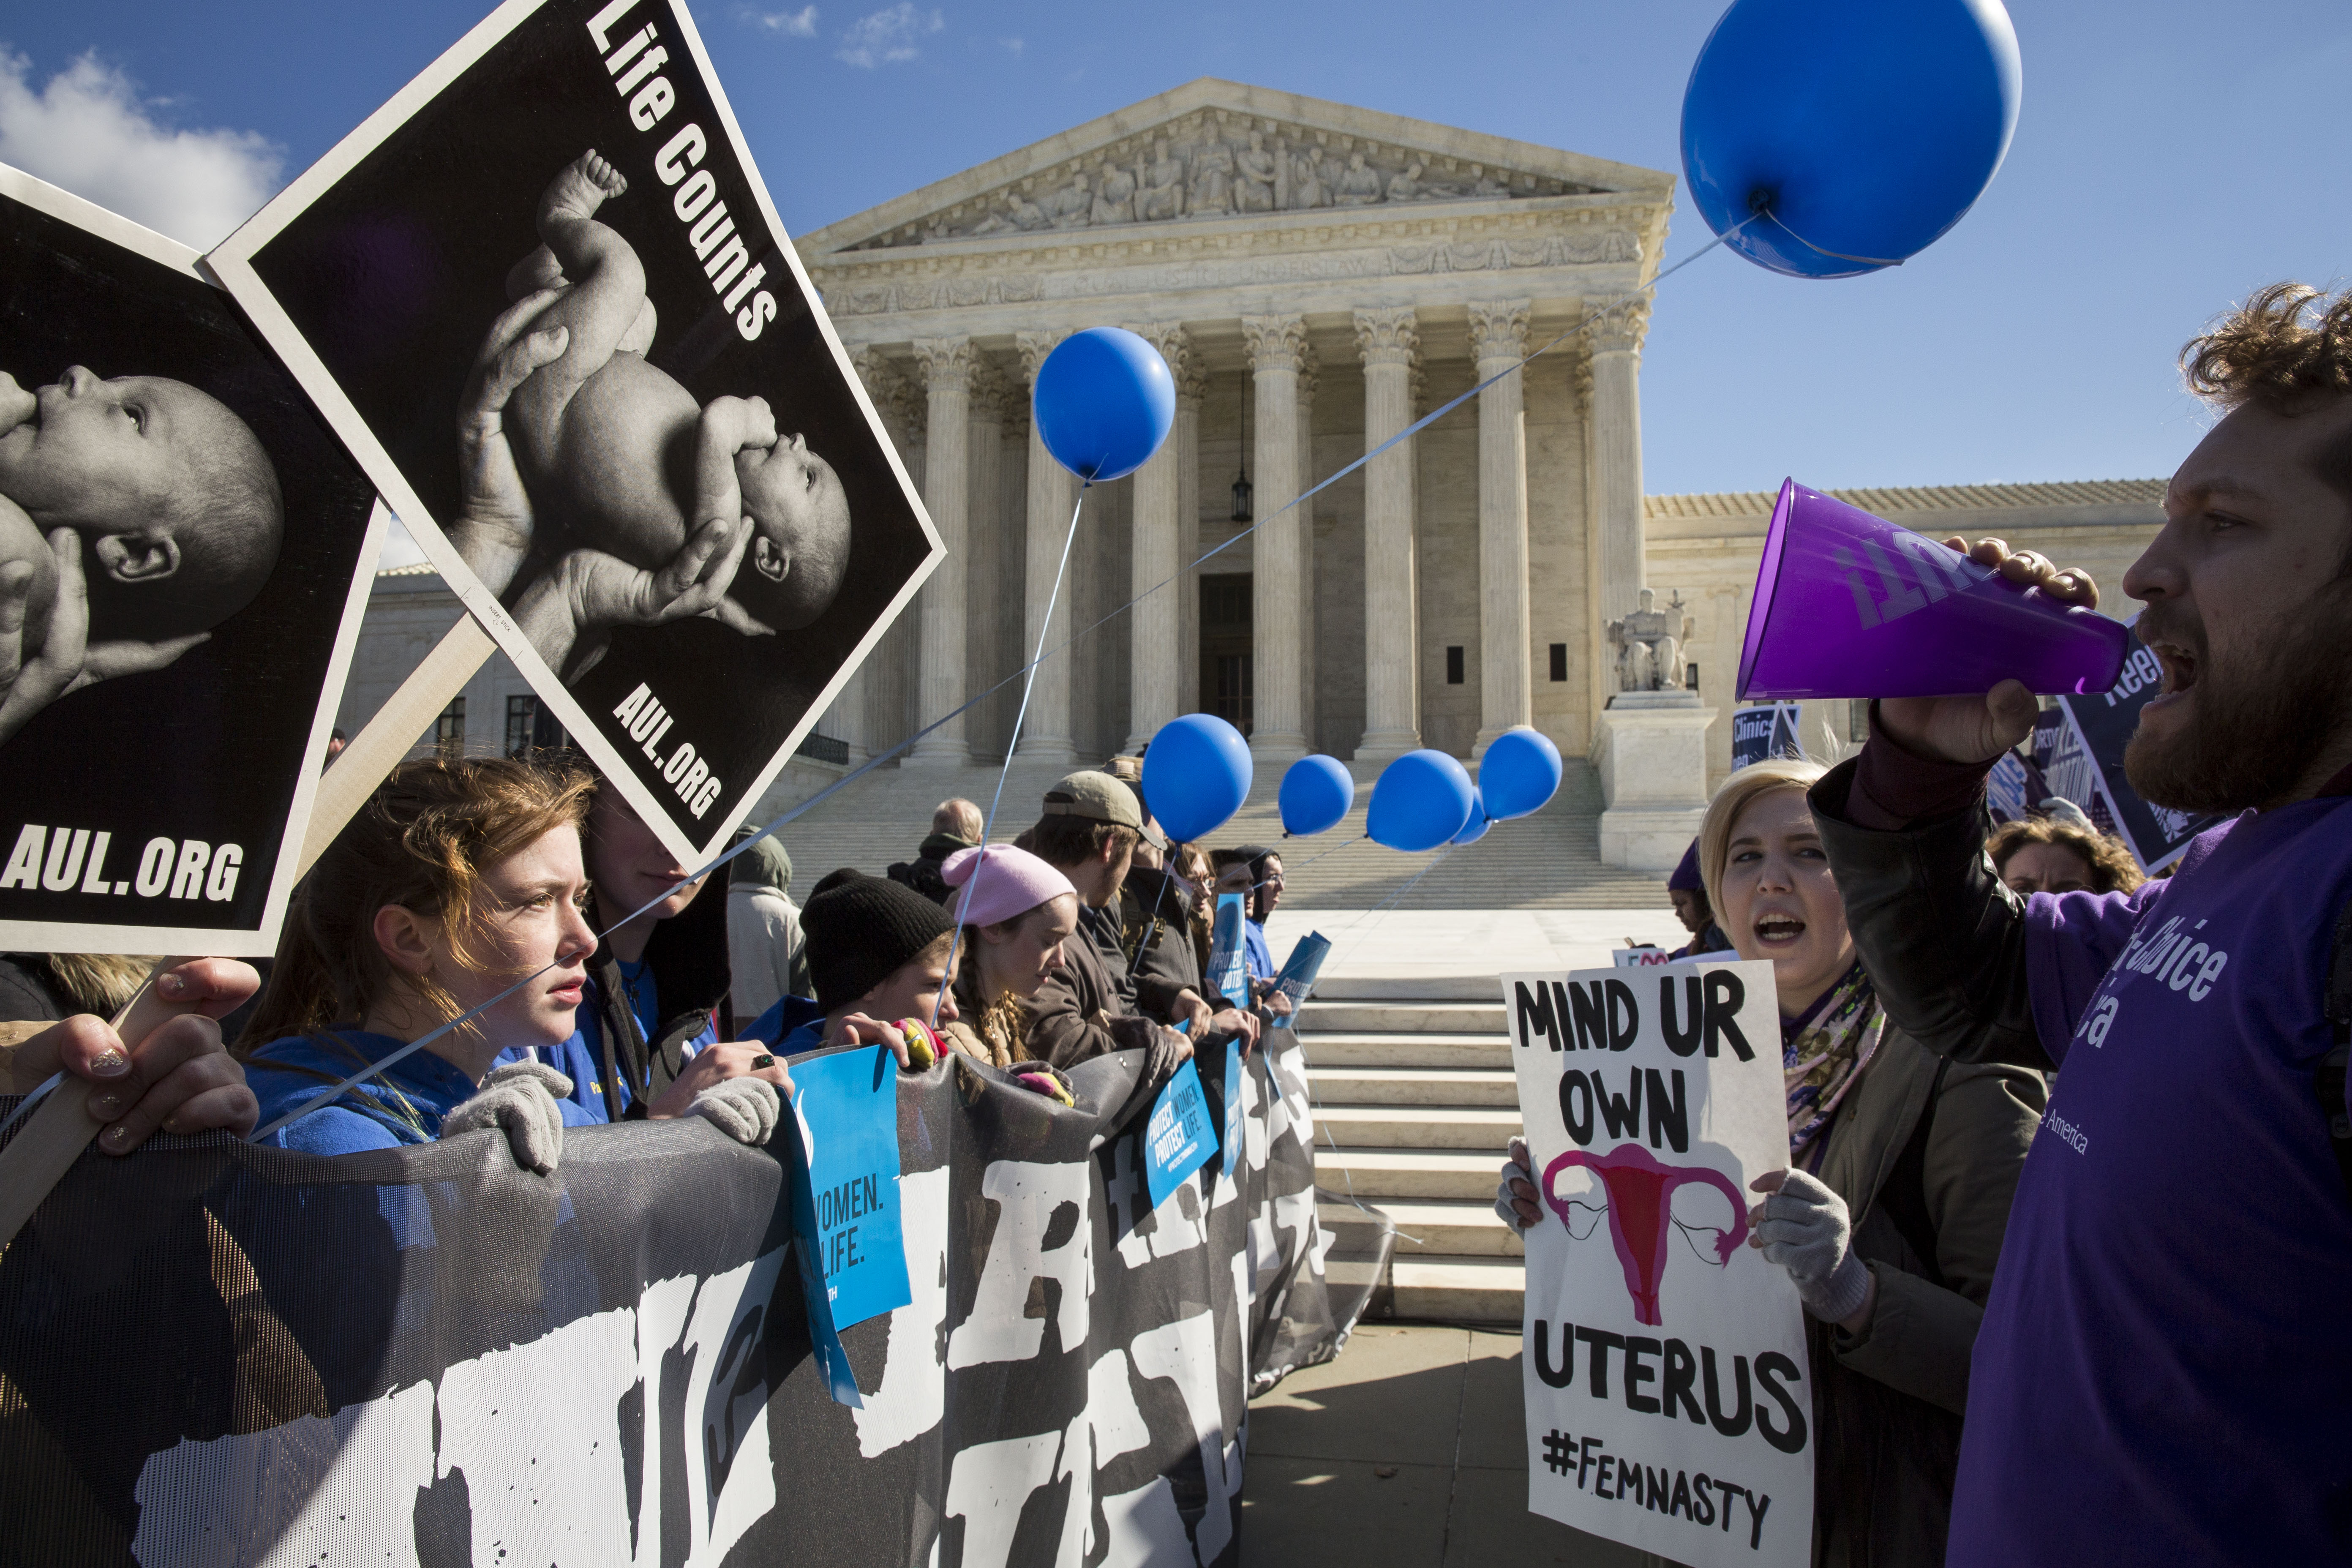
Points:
[(1519, 1167), (519, 1097), (1804, 1227), (745, 1109)]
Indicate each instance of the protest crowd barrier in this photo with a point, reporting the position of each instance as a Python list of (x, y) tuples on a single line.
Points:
[(426, 1355)]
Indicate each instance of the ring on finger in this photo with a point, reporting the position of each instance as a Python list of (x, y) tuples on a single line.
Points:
[(762, 1060)]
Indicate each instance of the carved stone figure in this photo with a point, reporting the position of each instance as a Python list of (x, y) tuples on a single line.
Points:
[(1114, 196), (1253, 171), (1212, 180), (1405, 186), (1163, 197), (1071, 208), (1027, 216), (1358, 186), (1650, 645), (1481, 184), (1307, 187)]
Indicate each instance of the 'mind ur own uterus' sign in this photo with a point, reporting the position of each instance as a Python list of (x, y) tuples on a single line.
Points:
[(1668, 1396)]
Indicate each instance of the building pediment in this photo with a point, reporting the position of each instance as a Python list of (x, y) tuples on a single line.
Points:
[(1221, 152)]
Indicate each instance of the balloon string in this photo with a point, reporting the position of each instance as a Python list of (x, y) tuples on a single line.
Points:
[(1822, 250), (1024, 674), (1012, 744), (1350, 844)]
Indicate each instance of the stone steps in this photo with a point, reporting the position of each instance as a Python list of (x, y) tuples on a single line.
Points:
[(1448, 1227), (1426, 1126), (1460, 1289), (1447, 1051), (1374, 1174), (1416, 1086)]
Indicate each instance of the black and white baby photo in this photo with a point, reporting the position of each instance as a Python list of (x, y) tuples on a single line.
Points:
[(545, 284)]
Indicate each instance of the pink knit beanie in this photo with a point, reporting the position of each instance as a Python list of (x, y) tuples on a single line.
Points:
[(1013, 883)]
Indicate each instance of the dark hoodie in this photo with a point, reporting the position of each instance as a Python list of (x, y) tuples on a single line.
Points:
[(922, 873)]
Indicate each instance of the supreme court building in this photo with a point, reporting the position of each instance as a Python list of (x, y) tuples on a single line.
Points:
[(1318, 276)]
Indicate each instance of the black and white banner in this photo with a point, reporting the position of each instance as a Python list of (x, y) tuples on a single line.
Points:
[(214, 1354)]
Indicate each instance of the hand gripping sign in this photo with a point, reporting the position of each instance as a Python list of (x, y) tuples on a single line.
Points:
[(1668, 1396)]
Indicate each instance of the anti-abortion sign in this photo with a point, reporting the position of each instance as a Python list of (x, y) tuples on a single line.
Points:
[(1669, 1396), (424, 1355), (2102, 726), (544, 295), (1764, 731), (1180, 1138), (184, 554), (1228, 957)]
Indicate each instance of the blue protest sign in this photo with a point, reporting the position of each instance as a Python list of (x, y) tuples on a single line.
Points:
[(1180, 1137), (1228, 958), (1298, 976), (845, 1196)]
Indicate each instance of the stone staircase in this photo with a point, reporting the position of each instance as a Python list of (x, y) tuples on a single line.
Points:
[(1414, 1101)]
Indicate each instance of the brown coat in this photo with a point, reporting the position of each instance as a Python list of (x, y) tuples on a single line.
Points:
[(1926, 1156)]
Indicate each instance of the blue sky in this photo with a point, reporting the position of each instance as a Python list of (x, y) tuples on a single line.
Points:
[(2172, 155)]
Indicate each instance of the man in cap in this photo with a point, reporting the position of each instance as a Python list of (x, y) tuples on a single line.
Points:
[(1088, 832)]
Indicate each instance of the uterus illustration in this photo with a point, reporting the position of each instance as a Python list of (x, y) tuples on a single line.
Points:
[(1640, 1191)]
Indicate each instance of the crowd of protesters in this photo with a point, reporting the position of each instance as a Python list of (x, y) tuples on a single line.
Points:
[(2099, 1326)]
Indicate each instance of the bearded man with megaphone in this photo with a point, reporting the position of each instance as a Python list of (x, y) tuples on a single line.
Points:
[(2163, 1372)]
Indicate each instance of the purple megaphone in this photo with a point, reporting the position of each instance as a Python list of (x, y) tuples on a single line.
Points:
[(1848, 605), (1640, 1190)]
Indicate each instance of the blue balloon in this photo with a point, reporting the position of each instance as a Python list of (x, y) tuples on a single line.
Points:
[(1421, 801), (1475, 828), (1518, 774), (1315, 794), (1196, 774), (1862, 129), (1104, 403)]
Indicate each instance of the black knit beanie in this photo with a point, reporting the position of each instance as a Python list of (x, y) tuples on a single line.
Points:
[(859, 929)]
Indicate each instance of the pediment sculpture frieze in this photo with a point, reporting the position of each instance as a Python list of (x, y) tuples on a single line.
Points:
[(1216, 165)]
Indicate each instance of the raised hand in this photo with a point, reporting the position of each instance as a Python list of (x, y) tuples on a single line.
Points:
[(1973, 728)]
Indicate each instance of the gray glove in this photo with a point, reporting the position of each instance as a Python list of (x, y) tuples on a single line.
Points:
[(1520, 1167), (745, 1109), (519, 1097), (1804, 1227)]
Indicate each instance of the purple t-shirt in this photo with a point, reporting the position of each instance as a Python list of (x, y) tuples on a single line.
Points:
[(2165, 1370)]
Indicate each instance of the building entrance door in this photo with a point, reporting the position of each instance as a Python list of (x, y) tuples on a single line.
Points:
[(1227, 665)]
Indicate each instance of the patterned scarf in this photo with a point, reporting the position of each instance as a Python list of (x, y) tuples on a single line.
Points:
[(1825, 1057)]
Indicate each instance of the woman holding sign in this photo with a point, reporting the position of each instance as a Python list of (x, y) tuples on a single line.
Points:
[(1890, 1217)]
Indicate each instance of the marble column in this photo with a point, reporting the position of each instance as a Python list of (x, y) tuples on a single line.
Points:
[(1153, 646), (983, 539), (1309, 369), (1498, 339), (1046, 733), (1192, 385), (1277, 348), (1615, 409), (946, 365), (870, 712), (1389, 342)]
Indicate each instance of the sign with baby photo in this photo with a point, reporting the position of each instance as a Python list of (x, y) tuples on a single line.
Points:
[(1669, 1398), (545, 297), (185, 555)]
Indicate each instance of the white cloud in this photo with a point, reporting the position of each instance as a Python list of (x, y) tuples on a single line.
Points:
[(1012, 46), (800, 24), (88, 130), (888, 36)]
